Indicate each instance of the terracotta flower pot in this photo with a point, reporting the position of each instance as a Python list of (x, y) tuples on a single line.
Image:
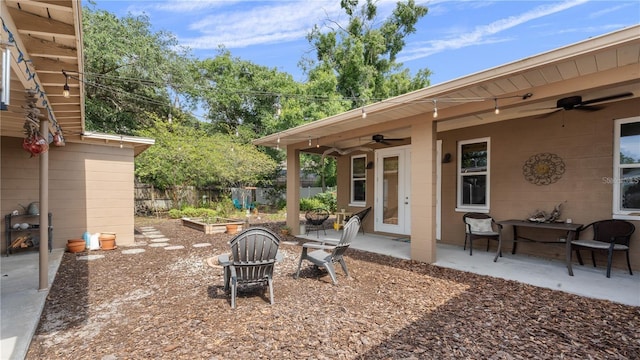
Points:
[(232, 229), (76, 245), (107, 241)]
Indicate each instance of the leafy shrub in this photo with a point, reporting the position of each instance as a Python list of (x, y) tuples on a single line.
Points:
[(175, 213), (191, 212), (311, 203), (329, 200), (224, 206)]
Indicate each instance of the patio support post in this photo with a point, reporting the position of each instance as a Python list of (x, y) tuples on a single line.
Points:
[(423, 191), (44, 210), (293, 189)]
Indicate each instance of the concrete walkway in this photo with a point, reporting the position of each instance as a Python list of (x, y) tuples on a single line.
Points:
[(21, 303)]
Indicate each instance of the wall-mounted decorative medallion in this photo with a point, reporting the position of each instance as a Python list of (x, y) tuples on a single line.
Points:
[(543, 169)]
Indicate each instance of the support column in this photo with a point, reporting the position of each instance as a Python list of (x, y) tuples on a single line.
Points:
[(44, 210), (423, 191), (293, 189)]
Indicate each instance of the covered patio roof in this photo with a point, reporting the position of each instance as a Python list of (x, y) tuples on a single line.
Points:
[(599, 67), (44, 40)]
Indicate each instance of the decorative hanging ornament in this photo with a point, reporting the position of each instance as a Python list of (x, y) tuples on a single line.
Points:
[(543, 169), (33, 142)]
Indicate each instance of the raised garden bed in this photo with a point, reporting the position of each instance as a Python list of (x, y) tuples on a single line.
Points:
[(211, 226)]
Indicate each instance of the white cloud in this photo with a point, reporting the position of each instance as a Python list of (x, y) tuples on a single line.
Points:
[(240, 26), (192, 5), (606, 11), (483, 34)]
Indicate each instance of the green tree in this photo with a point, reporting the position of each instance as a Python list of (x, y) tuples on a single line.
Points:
[(129, 71), (242, 98), (362, 56), (185, 156)]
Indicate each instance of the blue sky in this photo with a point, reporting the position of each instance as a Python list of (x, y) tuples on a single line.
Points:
[(456, 38)]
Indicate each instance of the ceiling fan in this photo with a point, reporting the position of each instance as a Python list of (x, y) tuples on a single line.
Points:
[(576, 103), (380, 139)]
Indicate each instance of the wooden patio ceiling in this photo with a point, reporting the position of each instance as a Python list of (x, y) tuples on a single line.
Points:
[(44, 38)]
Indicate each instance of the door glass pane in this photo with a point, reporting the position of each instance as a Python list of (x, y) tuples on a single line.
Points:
[(630, 143), (390, 190), (630, 189)]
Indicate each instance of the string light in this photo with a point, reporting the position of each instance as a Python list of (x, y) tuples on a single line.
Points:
[(309, 140), (278, 106), (317, 143), (121, 137), (65, 89)]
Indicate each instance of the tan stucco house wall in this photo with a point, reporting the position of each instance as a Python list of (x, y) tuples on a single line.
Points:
[(91, 188), (584, 140)]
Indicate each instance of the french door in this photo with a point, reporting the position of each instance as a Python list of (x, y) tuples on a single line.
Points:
[(392, 190)]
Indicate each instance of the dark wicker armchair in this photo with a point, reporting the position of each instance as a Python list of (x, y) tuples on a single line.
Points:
[(608, 235), (315, 220)]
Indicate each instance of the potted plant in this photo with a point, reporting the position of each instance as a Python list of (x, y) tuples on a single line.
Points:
[(285, 230)]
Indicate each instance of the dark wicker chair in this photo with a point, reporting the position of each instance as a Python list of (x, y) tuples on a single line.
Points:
[(361, 215), (481, 226), (608, 235), (254, 253), (315, 220)]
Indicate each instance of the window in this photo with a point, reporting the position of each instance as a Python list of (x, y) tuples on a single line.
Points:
[(473, 175), (626, 168), (358, 180)]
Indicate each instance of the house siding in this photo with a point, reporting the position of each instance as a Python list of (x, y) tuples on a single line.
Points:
[(91, 188), (584, 140)]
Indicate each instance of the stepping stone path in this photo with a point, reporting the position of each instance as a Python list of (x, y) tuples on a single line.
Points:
[(89, 257), (149, 234), (154, 236), (156, 239), (199, 245), (133, 251), (159, 244)]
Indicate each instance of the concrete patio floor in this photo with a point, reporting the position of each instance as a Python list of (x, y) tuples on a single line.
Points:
[(552, 274), (22, 304)]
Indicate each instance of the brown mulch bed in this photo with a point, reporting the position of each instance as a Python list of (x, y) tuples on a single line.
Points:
[(169, 304)]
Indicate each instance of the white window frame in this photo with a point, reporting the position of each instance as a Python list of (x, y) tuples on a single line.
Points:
[(618, 213), (467, 207), (353, 179)]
